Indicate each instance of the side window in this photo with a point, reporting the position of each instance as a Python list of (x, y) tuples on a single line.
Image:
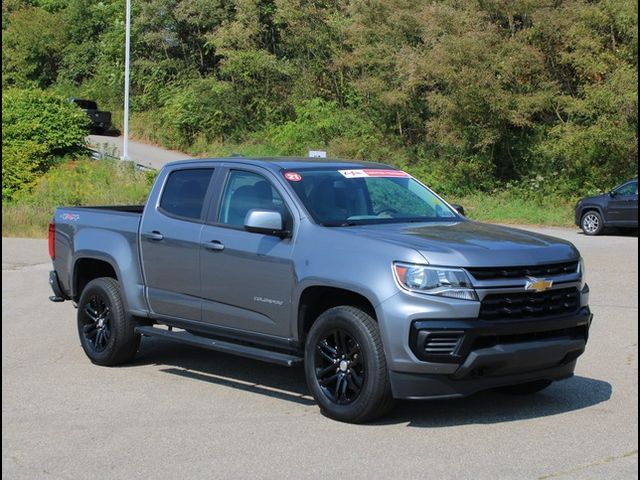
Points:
[(628, 189), (245, 191), (184, 191)]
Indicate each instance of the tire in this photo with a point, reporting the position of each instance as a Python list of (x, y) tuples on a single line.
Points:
[(525, 388), (106, 331), (348, 340), (591, 223)]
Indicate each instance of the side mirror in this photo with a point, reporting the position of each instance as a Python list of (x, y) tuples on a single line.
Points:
[(458, 208), (613, 194), (267, 222)]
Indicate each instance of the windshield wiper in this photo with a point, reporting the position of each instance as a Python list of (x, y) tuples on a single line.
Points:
[(339, 224)]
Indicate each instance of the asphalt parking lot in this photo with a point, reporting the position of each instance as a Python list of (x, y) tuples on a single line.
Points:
[(179, 412)]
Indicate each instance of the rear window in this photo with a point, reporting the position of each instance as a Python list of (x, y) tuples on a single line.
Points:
[(184, 192)]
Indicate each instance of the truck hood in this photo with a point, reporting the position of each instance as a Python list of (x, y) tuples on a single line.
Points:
[(468, 243)]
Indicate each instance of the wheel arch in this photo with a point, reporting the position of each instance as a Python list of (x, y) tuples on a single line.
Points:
[(315, 299), (591, 208), (89, 268)]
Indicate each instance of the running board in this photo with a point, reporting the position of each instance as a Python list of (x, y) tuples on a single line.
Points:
[(222, 346)]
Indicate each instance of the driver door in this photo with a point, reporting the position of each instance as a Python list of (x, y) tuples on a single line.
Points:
[(247, 278)]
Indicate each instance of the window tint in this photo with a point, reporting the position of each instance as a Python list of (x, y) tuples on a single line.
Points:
[(184, 192), (628, 189), (245, 191)]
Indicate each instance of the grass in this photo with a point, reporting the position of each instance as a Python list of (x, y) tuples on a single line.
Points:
[(84, 182), (510, 209)]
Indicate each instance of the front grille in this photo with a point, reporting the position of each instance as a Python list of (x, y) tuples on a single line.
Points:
[(442, 343), (497, 273), (523, 305)]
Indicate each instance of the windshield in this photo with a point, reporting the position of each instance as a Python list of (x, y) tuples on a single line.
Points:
[(337, 197)]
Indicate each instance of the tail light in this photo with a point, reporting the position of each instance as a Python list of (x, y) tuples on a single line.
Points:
[(52, 240)]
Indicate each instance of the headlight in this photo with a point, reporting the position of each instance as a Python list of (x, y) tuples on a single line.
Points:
[(441, 281)]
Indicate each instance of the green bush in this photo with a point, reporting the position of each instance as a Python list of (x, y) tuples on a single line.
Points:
[(38, 128), (19, 166)]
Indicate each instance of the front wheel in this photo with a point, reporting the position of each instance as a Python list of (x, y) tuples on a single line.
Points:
[(106, 331), (345, 366), (592, 223)]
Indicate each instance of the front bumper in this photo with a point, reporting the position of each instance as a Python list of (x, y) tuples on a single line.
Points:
[(489, 354), (411, 386)]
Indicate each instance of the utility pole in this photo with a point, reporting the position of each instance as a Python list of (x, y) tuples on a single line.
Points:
[(125, 148)]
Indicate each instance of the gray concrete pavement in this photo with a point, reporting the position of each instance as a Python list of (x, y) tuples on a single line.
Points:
[(179, 412), (143, 153)]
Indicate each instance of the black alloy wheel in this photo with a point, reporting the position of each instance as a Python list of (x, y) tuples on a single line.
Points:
[(339, 368), (96, 322), (345, 365), (107, 332)]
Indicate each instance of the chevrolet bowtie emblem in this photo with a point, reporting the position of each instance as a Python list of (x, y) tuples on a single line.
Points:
[(538, 284)]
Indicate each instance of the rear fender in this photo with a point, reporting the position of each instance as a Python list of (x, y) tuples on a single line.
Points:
[(119, 251)]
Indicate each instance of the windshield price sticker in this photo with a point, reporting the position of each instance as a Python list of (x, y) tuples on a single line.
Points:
[(293, 176), (374, 172)]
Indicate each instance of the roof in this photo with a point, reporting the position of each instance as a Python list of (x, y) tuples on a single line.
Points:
[(286, 163)]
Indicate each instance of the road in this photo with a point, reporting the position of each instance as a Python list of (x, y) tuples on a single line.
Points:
[(145, 154), (180, 412)]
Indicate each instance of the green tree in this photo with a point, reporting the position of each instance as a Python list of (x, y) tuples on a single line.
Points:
[(32, 47)]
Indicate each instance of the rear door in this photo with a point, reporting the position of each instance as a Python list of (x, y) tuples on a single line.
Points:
[(247, 278), (170, 243)]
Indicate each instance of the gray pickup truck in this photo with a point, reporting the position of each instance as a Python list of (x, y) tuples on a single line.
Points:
[(357, 270)]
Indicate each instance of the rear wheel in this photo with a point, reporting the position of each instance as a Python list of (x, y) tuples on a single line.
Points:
[(106, 331), (525, 388), (345, 366), (592, 223)]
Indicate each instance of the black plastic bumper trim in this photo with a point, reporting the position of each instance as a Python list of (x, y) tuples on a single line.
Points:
[(575, 325), (412, 386), (58, 294)]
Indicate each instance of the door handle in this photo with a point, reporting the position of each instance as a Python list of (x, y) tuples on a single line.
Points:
[(155, 235), (214, 245)]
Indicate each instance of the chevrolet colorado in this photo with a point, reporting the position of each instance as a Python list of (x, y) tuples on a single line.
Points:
[(354, 269)]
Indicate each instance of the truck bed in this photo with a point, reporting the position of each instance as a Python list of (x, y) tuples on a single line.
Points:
[(83, 232)]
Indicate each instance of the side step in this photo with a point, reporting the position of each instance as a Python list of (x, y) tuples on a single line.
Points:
[(222, 346)]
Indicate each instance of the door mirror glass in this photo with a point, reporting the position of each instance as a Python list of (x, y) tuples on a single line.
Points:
[(267, 222)]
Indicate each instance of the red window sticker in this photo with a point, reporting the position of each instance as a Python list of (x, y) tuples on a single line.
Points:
[(293, 176), (378, 172)]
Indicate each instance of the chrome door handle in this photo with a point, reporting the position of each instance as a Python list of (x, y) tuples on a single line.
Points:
[(155, 235), (214, 245)]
